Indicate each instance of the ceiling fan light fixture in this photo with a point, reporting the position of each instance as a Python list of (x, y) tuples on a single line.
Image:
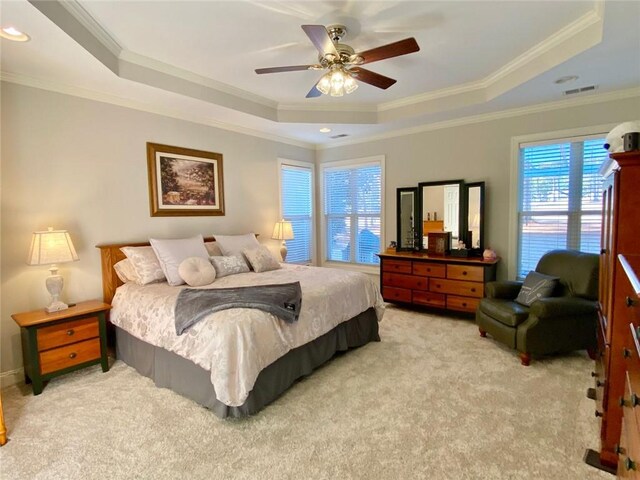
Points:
[(350, 84), (324, 85)]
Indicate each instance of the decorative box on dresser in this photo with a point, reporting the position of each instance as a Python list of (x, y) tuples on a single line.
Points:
[(450, 283), (620, 228)]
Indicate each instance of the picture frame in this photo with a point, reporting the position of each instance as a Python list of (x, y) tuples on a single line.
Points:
[(184, 182), (439, 243)]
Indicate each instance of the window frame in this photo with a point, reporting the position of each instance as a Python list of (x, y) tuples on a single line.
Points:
[(312, 167), (357, 162), (560, 136)]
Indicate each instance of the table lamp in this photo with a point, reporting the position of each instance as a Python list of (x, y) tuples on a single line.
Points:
[(283, 231), (51, 247)]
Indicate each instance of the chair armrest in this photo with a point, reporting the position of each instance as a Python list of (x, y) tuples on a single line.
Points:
[(506, 289), (551, 307)]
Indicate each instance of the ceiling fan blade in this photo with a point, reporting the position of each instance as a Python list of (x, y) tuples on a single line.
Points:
[(320, 38), (372, 78), (402, 47), (290, 68), (314, 92)]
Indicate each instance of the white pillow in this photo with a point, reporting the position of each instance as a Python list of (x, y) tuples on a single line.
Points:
[(172, 252), (213, 248), (197, 271), (145, 263), (229, 265), (235, 244), (125, 271), (261, 259)]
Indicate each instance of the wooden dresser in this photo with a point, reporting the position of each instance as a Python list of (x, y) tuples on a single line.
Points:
[(449, 283), (629, 446), (620, 229)]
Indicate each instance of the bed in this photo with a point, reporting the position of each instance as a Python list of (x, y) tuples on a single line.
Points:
[(219, 363)]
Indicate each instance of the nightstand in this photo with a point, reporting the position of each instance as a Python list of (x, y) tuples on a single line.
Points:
[(60, 342)]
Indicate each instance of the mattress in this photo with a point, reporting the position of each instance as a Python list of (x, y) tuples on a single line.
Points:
[(235, 345)]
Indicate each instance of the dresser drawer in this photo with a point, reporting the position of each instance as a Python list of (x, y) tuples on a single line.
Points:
[(405, 281), (396, 294), (455, 287), (67, 332), (629, 465), (429, 269), (429, 298), (398, 266), (463, 304), (465, 272), (70, 355)]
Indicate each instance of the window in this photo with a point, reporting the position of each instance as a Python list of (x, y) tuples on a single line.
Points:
[(296, 199), (352, 194), (559, 198)]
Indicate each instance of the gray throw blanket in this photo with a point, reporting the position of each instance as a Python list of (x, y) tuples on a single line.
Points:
[(282, 300)]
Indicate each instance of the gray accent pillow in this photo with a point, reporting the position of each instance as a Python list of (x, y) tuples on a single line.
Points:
[(261, 259), (229, 265), (535, 286)]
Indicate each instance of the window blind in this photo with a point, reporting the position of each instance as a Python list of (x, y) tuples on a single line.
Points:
[(352, 208), (559, 199), (297, 207)]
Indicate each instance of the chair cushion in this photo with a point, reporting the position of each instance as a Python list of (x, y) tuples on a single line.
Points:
[(506, 312), (536, 286)]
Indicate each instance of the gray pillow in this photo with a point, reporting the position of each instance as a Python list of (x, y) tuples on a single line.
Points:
[(536, 286), (229, 265)]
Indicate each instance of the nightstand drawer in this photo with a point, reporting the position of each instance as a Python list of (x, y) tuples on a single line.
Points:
[(65, 357), (67, 332)]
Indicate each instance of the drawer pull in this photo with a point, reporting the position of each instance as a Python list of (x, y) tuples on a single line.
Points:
[(70, 332), (629, 302), (464, 304), (73, 355), (618, 449), (622, 402), (473, 289), (599, 383), (626, 353), (603, 251), (594, 374), (629, 464), (635, 401), (598, 414), (464, 272)]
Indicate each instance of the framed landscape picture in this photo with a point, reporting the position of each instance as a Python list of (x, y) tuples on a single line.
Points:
[(184, 182)]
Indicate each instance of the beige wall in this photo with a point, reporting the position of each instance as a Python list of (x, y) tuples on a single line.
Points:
[(474, 152), (81, 165)]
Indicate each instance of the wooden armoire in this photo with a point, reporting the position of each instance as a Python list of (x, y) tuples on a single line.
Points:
[(616, 349)]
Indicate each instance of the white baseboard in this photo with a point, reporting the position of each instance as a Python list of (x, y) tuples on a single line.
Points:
[(11, 377)]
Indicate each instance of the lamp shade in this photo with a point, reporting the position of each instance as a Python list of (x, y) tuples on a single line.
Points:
[(282, 231), (50, 247)]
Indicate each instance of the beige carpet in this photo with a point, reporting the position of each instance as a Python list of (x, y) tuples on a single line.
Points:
[(433, 400)]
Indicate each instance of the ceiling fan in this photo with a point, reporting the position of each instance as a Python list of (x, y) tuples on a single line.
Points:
[(343, 63)]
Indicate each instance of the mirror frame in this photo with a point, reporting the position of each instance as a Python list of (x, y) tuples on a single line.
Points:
[(399, 192), (462, 208), (476, 252)]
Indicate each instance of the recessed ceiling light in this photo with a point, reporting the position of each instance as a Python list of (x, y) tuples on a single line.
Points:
[(325, 130), (567, 79), (12, 33)]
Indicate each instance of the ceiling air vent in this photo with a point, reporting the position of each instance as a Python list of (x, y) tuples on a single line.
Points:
[(340, 135), (574, 91)]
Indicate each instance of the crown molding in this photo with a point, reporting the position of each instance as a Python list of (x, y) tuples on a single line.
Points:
[(75, 91), (487, 117), (97, 30)]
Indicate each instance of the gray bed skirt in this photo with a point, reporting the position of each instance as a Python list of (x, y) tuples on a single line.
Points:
[(172, 371)]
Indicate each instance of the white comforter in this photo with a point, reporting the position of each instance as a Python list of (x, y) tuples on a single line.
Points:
[(236, 344)]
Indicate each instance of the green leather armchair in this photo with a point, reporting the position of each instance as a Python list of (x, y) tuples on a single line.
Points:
[(564, 322)]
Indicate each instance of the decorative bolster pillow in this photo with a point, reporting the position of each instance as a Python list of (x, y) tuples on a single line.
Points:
[(196, 271)]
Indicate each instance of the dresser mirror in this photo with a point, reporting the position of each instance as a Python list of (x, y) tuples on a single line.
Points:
[(406, 215), (475, 217), (441, 209)]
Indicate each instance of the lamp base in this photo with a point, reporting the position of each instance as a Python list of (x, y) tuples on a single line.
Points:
[(56, 307), (283, 250)]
